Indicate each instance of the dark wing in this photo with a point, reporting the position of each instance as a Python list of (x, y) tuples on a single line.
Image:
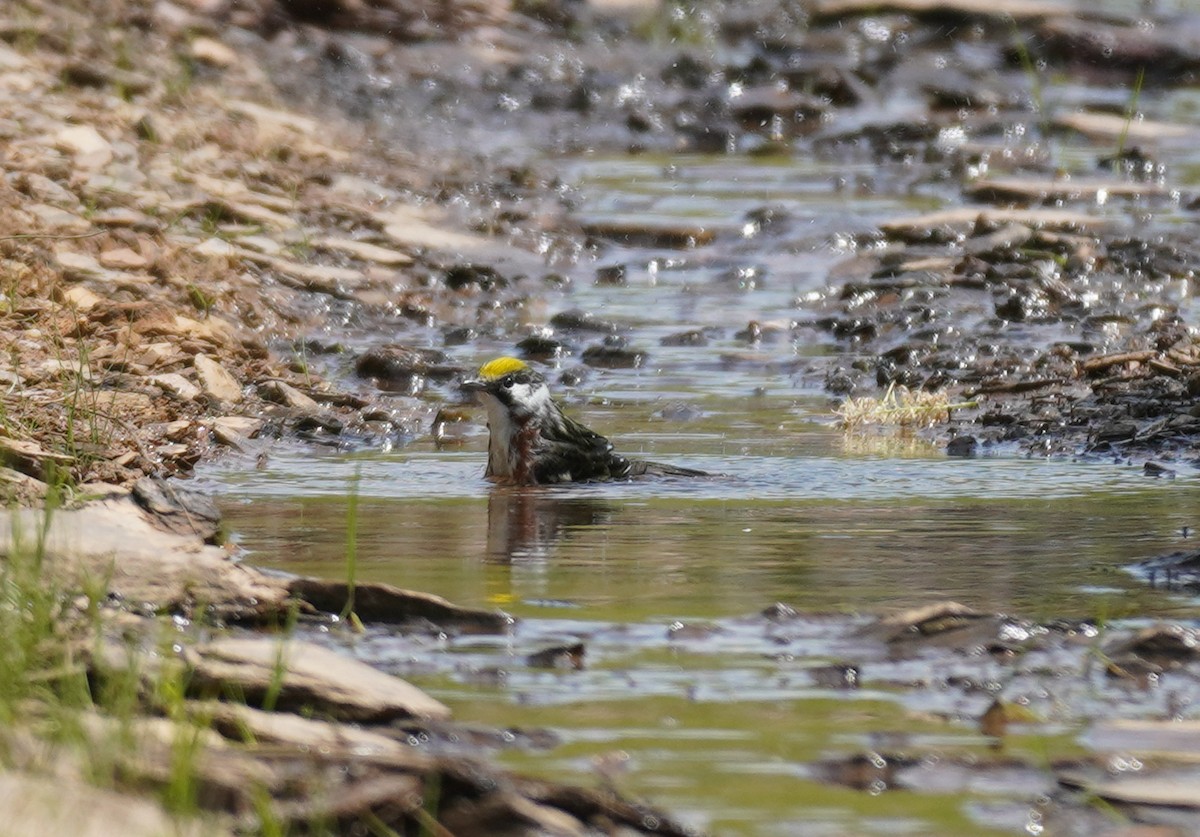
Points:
[(571, 452)]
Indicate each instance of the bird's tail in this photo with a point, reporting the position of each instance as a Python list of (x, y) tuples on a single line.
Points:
[(642, 468)]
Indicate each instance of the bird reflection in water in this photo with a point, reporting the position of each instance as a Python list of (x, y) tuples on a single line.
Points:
[(525, 524), (525, 527)]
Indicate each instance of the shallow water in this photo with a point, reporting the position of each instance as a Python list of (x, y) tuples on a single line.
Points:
[(688, 697)]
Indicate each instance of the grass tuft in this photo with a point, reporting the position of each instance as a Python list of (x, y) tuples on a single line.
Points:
[(901, 407)]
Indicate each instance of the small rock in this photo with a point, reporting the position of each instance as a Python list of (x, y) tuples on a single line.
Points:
[(560, 657), (242, 425), (376, 602), (58, 220), (46, 190), (695, 337), (286, 394), (90, 149), (612, 275), (175, 383), (215, 248), (123, 258), (314, 680), (216, 381), (213, 53), (462, 276), (178, 509), (79, 298), (404, 369), (1153, 469), (79, 266), (582, 321), (614, 357), (542, 347), (365, 251), (962, 446)]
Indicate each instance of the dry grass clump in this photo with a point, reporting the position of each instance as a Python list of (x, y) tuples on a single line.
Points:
[(899, 406)]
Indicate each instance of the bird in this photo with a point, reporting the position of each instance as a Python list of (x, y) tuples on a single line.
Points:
[(531, 441)]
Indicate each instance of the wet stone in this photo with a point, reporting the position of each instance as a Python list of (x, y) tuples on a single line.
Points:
[(482, 277), (582, 321), (314, 679), (614, 357), (1168, 646), (177, 508), (542, 347), (384, 603), (1173, 570), (611, 275), (694, 337), (284, 393), (558, 657), (652, 234), (404, 369), (962, 446)]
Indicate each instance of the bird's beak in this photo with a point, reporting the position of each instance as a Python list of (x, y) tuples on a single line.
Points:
[(472, 385)]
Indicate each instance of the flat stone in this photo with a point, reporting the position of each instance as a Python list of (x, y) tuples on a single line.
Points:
[(365, 251), (673, 233), (216, 381), (1178, 739), (286, 394), (158, 354), (411, 226), (144, 565), (80, 265), (28, 457), (318, 278), (374, 602), (123, 216), (1073, 189), (47, 191), (241, 425), (91, 150), (175, 383), (1110, 126), (1000, 10), (35, 805), (1172, 791), (269, 116), (57, 219), (215, 248), (123, 258), (244, 210), (79, 298), (212, 52), (288, 730), (963, 219), (16, 485), (314, 679)]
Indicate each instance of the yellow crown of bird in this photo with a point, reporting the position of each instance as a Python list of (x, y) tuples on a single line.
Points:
[(500, 367)]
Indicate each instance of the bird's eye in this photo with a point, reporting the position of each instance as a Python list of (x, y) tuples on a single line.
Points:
[(507, 382)]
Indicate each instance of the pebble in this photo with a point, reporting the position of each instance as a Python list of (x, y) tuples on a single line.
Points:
[(216, 381), (90, 149)]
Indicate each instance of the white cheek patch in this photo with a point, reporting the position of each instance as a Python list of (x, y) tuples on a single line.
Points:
[(533, 398)]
